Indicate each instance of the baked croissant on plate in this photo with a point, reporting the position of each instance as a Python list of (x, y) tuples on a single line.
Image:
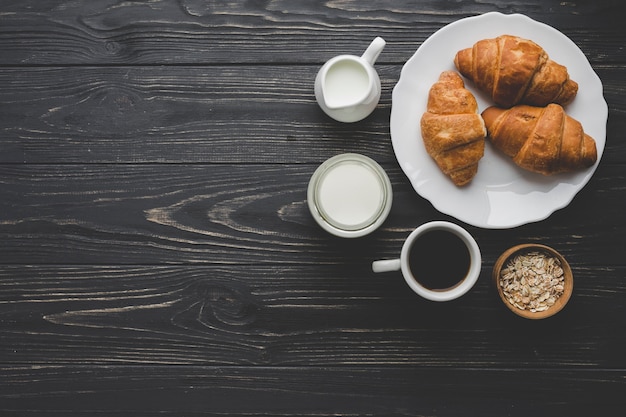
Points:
[(513, 70), (540, 139), (452, 130)]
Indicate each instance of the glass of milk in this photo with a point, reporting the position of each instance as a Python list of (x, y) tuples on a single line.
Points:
[(350, 195)]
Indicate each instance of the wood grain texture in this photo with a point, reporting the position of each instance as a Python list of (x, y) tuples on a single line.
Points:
[(286, 31), (371, 391), (240, 114), (292, 316), (242, 214), (177, 114), (157, 256)]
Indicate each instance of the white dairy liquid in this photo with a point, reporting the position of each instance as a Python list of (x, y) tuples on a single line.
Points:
[(351, 195), (346, 81)]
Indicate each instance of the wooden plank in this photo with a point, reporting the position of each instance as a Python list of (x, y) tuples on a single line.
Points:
[(241, 391), (258, 114), (222, 214), (293, 316), (37, 32), (176, 114)]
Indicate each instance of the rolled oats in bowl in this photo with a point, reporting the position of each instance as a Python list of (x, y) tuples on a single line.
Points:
[(534, 281)]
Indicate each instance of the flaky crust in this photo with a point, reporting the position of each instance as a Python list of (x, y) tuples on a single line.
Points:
[(452, 130), (540, 139), (514, 70)]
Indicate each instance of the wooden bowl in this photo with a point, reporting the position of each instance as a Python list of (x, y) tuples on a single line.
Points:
[(538, 313)]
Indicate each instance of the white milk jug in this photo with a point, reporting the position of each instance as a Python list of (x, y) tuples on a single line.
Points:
[(347, 87)]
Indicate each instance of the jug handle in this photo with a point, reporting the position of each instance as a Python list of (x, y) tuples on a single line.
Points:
[(373, 50)]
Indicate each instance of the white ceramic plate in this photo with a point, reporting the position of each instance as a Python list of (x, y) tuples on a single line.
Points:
[(501, 195)]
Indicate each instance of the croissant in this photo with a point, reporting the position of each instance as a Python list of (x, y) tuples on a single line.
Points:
[(453, 131), (540, 139), (513, 70)]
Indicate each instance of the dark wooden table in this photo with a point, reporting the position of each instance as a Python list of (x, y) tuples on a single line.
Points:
[(157, 256)]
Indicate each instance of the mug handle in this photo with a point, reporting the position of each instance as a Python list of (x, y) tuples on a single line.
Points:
[(386, 265)]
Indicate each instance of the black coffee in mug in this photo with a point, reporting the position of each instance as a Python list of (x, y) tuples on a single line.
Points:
[(439, 259)]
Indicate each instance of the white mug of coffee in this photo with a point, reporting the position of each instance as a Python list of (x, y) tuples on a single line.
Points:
[(439, 260)]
